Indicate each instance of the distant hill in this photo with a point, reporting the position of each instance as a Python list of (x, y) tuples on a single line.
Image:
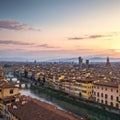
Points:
[(91, 59), (74, 59)]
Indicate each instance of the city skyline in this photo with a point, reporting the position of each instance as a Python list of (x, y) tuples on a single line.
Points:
[(42, 29)]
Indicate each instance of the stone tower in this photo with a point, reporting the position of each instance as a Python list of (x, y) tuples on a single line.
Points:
[(108, 62), (80, 62)]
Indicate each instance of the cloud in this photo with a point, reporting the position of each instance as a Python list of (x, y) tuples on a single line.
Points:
[(7, 42), (15, 25), (89, 37), (33, 29), (95, 36), (76, 38), (45, 46), (12, 42)]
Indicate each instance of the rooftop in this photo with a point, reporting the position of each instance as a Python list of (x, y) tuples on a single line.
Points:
[(41, 111), (5, 84), (107, 83)]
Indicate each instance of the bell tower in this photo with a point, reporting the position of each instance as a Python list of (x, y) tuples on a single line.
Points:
[(108, 62)]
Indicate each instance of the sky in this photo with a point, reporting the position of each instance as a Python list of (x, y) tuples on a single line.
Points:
[(47, 29)]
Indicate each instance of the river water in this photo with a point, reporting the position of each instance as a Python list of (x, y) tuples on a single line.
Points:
[(79, 110)]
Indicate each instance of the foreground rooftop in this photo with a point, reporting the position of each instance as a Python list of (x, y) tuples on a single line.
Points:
[(37, 110)]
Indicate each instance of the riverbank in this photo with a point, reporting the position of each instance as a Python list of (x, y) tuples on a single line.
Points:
[(76, 101)]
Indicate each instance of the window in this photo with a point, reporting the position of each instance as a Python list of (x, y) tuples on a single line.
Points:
[(101, 94), (106, 102), (106, 96), (80, 94), (97, 87), (84, 91), (111, 104), (0, 90), (111, 97), (106, 89), (117, 99), (111, 90), (102, 88), (117, 105), (117, 91), (94, 93), (11, 91), (98, 100), (98, 94), (95, 98), (101, 101)]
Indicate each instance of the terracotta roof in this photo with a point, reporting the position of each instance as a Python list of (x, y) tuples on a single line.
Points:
[(85, 80), (109, 84), (37, 110), (4, 84)]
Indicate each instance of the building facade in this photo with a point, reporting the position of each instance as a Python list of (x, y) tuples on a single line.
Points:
[(106, 93), (8, 95), (86, 88)]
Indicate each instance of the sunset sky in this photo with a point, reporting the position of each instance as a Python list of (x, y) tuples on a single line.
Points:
[(47, 29)]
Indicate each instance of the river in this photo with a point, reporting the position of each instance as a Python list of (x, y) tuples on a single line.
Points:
[(79, 110)]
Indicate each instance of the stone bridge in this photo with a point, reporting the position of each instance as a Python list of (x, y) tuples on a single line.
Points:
[(28, 85)]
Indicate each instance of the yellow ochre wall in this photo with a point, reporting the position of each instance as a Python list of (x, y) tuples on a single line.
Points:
[(5, 92)]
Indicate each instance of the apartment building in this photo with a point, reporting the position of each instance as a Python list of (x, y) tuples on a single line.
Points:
[(86, 88), (106, 92)]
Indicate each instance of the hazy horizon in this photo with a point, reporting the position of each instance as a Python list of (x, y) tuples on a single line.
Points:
[(91, 59)]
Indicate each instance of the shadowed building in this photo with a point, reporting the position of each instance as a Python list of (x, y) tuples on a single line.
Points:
[(119, 93), (1, 73)]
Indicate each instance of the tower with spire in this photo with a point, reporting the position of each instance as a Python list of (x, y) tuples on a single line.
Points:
[(108, 62)]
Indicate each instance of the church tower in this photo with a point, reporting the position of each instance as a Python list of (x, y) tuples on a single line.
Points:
[(108, 62)]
